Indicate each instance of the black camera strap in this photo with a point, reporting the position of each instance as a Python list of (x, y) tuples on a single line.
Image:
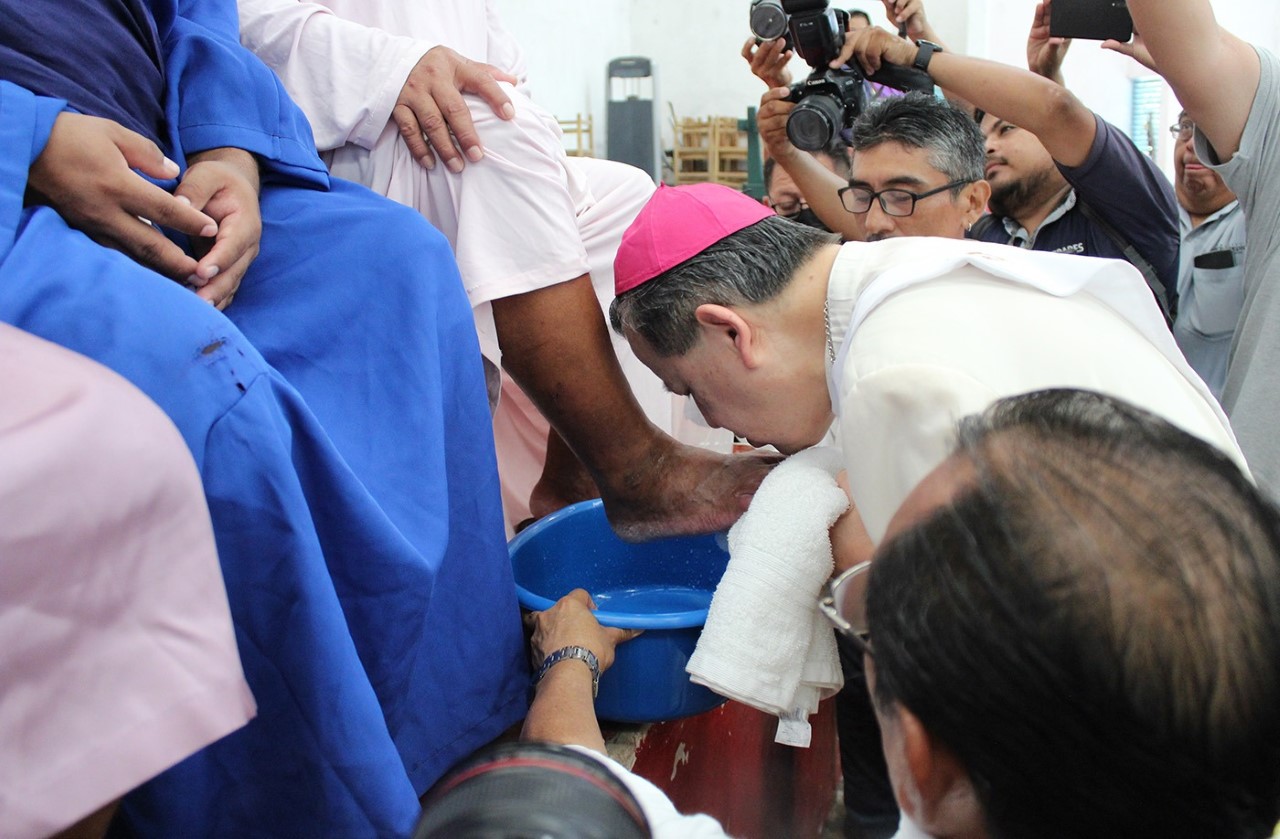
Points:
[(1138, 261)]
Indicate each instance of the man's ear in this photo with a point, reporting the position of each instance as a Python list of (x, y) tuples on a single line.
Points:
[(976, 196), (723, 325), (942, 784)]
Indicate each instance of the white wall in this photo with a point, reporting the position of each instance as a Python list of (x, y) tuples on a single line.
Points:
[(694, 45), (569, 43)]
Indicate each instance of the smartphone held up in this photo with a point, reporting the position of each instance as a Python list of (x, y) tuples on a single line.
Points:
[(1093, 20)]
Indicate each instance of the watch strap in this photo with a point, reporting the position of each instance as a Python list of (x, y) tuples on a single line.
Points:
[(925, 54), (572, 652)]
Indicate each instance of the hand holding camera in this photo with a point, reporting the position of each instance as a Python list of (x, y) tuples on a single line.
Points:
[(768, 60), (771, 121), (875, 51), (830, 99)]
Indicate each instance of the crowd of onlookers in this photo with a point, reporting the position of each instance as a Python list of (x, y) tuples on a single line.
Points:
[(277, 276)]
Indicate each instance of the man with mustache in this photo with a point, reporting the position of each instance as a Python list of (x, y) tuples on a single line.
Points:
[(1062, 178), (1211, 266)]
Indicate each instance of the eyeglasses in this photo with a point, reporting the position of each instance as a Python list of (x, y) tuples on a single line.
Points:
[(894, 202), (787, 209), (1182, 130), (844, 602)]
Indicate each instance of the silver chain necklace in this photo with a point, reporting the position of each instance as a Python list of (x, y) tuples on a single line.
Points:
[(826, 321)]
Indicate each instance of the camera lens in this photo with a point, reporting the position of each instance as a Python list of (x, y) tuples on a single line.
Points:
[(814, 122), (530, 791), (768, 20)]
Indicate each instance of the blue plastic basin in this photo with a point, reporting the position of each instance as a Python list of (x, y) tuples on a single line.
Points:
[(663, 587)]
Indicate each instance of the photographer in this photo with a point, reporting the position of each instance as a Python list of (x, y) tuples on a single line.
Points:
[(916, 144), (768, 61), (1062, 178)]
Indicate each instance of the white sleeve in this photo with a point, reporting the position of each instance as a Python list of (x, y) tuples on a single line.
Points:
[(345, 76), (665, 821), (896, 425)]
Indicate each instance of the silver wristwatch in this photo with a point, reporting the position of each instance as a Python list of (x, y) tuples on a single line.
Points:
[(566, 653)]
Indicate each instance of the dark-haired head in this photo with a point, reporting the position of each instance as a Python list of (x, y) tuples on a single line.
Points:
[(1090, 626)]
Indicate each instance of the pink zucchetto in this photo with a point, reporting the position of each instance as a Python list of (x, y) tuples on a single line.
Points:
[(678, 223)]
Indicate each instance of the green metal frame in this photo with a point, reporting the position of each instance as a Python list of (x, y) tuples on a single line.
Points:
[(755, 160)]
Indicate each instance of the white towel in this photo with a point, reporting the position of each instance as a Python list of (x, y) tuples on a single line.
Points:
[(765, 643)]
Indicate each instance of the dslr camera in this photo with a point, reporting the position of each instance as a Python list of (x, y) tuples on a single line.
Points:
[(828, 101)]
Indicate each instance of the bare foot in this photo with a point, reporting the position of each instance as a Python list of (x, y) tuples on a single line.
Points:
[(682, 490)]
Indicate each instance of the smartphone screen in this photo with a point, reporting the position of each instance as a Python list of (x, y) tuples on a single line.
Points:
[(1093, 20)]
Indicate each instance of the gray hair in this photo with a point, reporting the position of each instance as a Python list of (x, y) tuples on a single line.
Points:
[(751, 266), (920, 121)]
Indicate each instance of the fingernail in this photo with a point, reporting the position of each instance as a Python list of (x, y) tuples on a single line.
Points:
[(508, 111), (428, 161), (184, 199), (474, 154), (209, 230), (196, 280), (455, 165), (170, 166), (210, 272)]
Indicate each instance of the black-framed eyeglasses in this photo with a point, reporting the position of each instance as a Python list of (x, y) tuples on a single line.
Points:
[(787, 209), (894, 202), (1182, 129), (844, 602)]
